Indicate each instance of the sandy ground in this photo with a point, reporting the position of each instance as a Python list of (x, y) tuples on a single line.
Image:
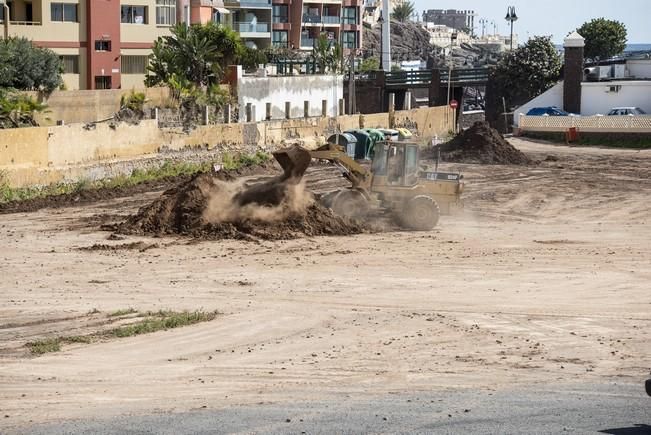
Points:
[(545, 276)]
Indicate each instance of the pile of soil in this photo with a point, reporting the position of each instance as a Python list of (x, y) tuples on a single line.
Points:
[(93, 195), (182, 211), (484, 145)]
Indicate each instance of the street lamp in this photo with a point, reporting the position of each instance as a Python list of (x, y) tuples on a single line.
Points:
[(483, 23), (511, 17), (380, 21)]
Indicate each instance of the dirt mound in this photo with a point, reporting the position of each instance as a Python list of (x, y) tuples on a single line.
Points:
[(92, 195), (209, 207), (482, 144)]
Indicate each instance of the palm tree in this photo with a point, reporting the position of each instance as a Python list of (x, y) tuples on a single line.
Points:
[(403, 12)]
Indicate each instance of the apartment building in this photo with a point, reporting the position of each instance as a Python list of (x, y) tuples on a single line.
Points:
[(298, 23), (105, 44)]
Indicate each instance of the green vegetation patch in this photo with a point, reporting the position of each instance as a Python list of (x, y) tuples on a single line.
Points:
[(150, 322), (123, 312)]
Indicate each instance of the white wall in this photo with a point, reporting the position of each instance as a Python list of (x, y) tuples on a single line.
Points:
[(296, 89), (597, 100), (639, 68), (551, 97)]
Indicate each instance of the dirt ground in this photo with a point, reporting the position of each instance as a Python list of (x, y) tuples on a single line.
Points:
[(545, 276)]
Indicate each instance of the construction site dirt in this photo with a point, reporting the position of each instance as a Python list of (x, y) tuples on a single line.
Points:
[(543, 277)]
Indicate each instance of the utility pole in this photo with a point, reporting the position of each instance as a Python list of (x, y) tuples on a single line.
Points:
[(6, 18), (352, 92), (386, 37)]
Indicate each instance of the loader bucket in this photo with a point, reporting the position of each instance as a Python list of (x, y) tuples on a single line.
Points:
[(294, 161)]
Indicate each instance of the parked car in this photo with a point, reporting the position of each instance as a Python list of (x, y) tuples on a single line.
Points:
[(547, 111), (624, 111)]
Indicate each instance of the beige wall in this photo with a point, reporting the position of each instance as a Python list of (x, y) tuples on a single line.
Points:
[(143, 33), (89, 106), (42, 155), (48, 30)]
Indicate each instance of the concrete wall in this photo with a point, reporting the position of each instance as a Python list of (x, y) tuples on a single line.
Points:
[(258, 91), (90, 106), (44, 155), (640, 69)]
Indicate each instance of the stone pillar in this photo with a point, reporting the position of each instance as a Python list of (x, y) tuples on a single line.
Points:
[(249, 112), (268, 112), (407, 105), (574, 45), (392, 102), (306, 109), (324, 107), (288, 110), (227, 114), (341, 107)]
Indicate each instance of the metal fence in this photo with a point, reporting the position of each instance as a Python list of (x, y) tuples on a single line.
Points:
[(587, 124)]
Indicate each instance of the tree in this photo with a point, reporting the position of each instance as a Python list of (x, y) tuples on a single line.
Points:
[(196, 54), (252, 57), (603, 38), (403, 12), (370, 64), (527, 71), (328, 55), (25, 67)]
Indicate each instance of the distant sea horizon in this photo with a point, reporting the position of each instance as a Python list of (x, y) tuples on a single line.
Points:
[(629, 47), (638, 47)]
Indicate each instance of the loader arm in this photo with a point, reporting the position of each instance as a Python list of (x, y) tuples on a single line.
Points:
[(358, 176)]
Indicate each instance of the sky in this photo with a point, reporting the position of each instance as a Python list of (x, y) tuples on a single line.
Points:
[(553, 17)]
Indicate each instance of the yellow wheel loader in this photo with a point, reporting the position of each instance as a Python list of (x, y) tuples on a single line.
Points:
[(394, 183)]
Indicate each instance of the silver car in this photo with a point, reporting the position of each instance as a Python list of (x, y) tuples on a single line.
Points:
[(624, 111)]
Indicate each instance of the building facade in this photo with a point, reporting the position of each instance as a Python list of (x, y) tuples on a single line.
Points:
[(105, 44), (459, 20), (298, 24)]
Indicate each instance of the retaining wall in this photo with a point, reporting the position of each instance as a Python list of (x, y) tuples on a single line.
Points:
[(44, 155)]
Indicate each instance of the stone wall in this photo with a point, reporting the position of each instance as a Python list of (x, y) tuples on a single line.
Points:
[(44, 155)]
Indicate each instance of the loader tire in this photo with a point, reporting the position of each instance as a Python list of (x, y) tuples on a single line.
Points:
[(421, 213), (351, 204)]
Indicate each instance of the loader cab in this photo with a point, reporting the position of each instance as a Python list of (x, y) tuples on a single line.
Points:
[(396, 164)]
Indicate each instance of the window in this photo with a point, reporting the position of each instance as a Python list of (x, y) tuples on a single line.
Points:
[(349, 16), (134, 14), (2, 12), (70, 64), (102, 82), (134, 64), (101, 45), (165, 12), (281, 14), (64, 12), (349, 40), (280, 39)]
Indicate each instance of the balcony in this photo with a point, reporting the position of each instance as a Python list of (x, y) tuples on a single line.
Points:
[(311, 19), (280, 19), (250, 27), (255, 3), (330, 19), (307, 42)]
